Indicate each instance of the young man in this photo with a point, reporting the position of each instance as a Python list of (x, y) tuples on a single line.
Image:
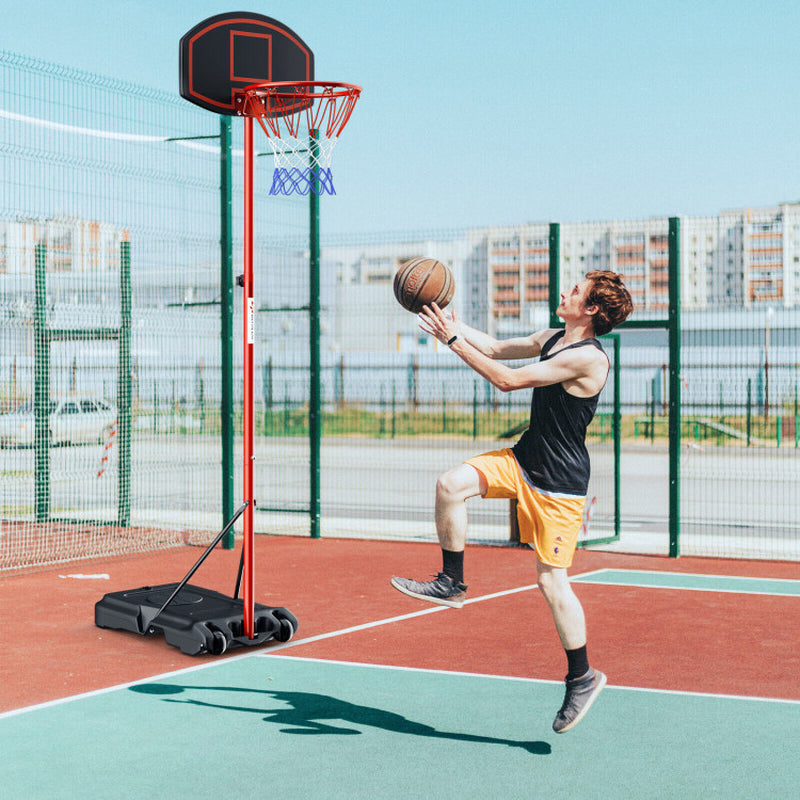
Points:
[(547, 471)]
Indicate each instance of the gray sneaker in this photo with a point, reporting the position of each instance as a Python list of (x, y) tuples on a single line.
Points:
[(443, 591), (581, 693)]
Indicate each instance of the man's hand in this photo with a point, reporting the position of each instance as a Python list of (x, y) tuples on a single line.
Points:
[(434, 321)]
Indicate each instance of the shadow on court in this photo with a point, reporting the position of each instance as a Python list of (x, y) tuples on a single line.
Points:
[(308, 713)]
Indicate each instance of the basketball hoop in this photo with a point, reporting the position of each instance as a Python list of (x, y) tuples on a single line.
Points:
[(252, 66), (302, 121)]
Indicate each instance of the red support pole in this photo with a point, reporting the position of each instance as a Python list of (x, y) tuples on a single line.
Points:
[(247, 424)]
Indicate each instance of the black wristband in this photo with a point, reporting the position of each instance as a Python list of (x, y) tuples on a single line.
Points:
[(450, 341)]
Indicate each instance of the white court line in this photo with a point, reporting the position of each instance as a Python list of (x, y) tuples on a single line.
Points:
[(490, 676), (343, 632), (97, 692), (378, 623), (412, 615), (586, 578), (698, 575)]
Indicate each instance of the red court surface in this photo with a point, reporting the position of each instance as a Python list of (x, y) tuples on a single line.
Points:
[(702, 641)]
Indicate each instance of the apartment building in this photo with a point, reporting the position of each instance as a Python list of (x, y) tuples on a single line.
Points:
[(744, 258), (358, 284), (519, 258)]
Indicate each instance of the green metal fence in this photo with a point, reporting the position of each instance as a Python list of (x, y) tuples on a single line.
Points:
[(694, 446), (118, 256)]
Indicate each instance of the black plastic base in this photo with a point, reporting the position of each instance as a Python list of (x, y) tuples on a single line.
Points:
[(197, 620)]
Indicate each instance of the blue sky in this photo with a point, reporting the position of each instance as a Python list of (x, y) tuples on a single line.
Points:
[(538, 111)]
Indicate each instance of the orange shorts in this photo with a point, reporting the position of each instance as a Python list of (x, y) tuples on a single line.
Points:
[(548, 521)]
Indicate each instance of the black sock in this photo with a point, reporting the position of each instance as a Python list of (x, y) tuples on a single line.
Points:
[(453, 564), (578, 662)]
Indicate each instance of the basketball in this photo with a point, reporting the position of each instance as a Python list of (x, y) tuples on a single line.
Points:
[(423, 281)]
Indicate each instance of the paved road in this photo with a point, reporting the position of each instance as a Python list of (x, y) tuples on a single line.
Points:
[(385, 480)]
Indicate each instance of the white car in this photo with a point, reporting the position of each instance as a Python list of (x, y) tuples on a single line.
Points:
[(72, 420)]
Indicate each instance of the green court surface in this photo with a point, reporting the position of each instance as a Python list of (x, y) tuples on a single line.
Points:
[(702, 583), (278, 726)]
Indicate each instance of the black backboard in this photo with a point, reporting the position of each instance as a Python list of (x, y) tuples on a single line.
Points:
[(227, 52)]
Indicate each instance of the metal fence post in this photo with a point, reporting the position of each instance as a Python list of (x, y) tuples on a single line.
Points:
[(226, 325), (475, 410), (41, 384), (748, 418), (315, 398), (674, 332), (124, 388), (554, 277), (617, 432)]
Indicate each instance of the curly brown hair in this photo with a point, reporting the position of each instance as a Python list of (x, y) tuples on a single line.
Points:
[(613, 300)]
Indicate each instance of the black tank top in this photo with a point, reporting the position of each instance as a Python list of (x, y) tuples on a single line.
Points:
[(552, 452)]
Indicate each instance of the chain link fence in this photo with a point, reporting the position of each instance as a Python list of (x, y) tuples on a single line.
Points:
[(97, 171)]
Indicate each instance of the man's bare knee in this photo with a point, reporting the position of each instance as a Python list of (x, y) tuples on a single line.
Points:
[(552, 582), (545, 584), (459, 483), (447, 487)]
